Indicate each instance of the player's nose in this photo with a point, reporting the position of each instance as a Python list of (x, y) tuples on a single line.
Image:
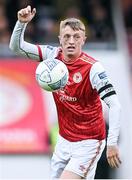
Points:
[(71, 40)]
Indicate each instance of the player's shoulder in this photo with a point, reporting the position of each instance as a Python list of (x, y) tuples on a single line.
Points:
[(98, 70), (49, 51), (50, 48), (55, 50), (87, 58)]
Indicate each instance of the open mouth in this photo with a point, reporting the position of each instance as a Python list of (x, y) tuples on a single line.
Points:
[(71, 48)]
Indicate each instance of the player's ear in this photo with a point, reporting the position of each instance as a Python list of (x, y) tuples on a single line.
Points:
[(84, 40)]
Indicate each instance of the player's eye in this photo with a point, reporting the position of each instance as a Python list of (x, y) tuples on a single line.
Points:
[(76, 37), (66, 36)]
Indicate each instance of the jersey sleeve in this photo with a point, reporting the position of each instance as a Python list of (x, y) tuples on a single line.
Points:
[(101, 82), (23, 48)]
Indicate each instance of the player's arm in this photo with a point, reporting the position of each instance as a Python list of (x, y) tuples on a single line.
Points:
[(17, 42), (103, 85)]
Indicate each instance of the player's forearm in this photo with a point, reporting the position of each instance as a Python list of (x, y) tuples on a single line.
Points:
[(114, 120), (17, 39), (21, 47)]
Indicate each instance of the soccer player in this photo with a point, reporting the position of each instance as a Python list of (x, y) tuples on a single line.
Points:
[(82, 135)]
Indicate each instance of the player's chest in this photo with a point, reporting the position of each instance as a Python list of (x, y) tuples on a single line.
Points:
[(77, 87)]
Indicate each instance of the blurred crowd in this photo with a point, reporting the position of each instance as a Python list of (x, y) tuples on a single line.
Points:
[(96, 14)]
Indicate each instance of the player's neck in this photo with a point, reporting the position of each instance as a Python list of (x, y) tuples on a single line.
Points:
[(71, 58)]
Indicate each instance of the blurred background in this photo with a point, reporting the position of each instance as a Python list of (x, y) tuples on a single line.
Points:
[(28, 119)]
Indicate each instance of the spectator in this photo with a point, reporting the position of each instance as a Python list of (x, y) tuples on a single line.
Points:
[(4, 29)]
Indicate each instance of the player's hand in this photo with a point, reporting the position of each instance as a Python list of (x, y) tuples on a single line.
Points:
[(113, 156), (26, 15)]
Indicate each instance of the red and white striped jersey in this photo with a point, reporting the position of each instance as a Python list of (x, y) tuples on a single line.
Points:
[(78, 104)]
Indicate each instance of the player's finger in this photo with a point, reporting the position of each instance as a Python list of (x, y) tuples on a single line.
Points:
[(29, 8), (34, 11), (26, 11), (116, 161), (111, 162), (20, 13), (119, 160)]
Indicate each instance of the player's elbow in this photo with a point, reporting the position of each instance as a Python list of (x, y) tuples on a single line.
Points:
[(114, 104), (13, 46), (117, 106)]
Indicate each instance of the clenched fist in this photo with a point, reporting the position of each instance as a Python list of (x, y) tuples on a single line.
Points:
[(26, 15)]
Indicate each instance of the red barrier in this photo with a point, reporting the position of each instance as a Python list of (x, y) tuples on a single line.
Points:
[(23, 119)]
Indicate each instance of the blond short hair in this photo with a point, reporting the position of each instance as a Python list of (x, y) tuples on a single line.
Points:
[(74, 23)]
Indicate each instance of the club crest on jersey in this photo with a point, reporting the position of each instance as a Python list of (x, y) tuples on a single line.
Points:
[(77, 77)]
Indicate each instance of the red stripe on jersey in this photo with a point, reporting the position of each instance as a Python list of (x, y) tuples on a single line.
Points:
[(93, 159), (40, 53), (78, 105)]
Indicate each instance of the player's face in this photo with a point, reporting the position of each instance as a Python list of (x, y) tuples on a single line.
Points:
[(71, 42)]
